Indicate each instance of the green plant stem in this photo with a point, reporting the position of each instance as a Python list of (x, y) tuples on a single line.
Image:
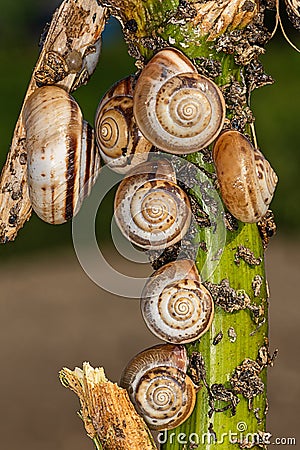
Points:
[(244, 332), (222, 359)]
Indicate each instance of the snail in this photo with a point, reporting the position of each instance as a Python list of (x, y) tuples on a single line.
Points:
[(57, 65), (158, 386), (120, 142), (63, 161), (151, 210), (247, 180), (176, 307), (177, 109)]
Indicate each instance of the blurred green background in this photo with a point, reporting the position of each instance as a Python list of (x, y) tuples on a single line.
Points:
[(276, 108)]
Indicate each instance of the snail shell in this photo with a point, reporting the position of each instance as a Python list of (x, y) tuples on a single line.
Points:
[(177, 109), (91, 57), (176, 307), (74, 61), (120, 142), (158, 386), (247, 180), (63, 162), (151, 210)]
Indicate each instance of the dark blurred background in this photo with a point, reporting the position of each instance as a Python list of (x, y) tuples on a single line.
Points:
[(52, 315)]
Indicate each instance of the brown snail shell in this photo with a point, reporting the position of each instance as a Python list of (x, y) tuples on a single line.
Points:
[(177, 109), (247, 180), (213, 19), (176, 307), (151, 210), (63, 162), (119, 140), (158, 386)]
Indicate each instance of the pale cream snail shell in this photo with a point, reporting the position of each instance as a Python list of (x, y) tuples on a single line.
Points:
[(151, 210), (119, 140), (247, 180), (176, 307), (158, 386), (177, 109), (63, 161)]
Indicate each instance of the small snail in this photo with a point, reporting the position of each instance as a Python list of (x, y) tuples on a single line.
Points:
[(57, 65), (63, 161), (53, 69), (120, 142), (177, 109), (175, 305), (158, 386), (151, 210), (91, 57), (247, 180)]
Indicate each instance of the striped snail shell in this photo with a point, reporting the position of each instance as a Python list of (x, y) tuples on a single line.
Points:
[(176, 307), (247, 180), (120, 142), (63, 162), (151, 210), (294, 5), (293, 13), (158, 386), (177, 109)]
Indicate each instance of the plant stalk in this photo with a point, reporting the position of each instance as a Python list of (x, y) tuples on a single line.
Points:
[(230, 361)]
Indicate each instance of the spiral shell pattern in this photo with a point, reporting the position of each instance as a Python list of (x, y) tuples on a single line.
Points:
[(63, 162), (177, 109), (214, 18), (158, 386), (177, 311), (150, 210), (247, 180), (121, 144)]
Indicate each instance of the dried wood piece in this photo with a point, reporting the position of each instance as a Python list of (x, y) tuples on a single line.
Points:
[(214, 18), (75, 26), (107, 411)]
